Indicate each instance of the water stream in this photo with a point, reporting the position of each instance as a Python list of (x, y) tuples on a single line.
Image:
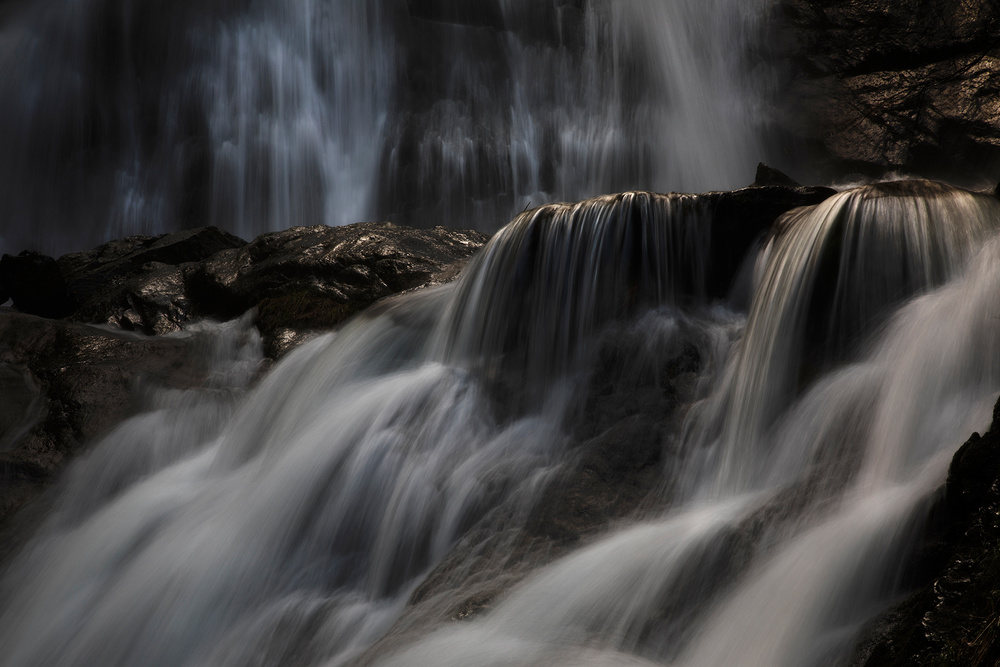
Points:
[(342, 509), (570, 455)]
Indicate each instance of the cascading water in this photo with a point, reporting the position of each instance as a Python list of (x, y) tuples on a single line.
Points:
[(257, 115), (832, 274), (339, 511), (552, 278)]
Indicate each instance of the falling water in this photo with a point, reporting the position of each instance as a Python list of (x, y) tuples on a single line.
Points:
[(344, 508), (832, 274), (550, 280), (128, 118), (257, 115)]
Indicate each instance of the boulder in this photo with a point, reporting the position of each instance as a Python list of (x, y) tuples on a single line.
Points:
[(770, 176), (740, 217), (300, 280), (137, 283), (308, 278)]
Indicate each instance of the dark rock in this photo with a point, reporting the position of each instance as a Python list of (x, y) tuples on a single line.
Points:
[(137, 283), (309, 278), (771, 176), (300, 280), (951, 617), (73, 382), (901, 85), (132, 252), (22, 406), (33, 281), (739, 217)]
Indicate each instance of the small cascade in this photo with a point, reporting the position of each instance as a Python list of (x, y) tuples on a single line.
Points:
[(785, 574), (371, 486), (828, 277), (548, 282), (320, 498)]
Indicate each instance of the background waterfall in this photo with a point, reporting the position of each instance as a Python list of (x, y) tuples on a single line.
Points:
[(376, 484), (256, 115)]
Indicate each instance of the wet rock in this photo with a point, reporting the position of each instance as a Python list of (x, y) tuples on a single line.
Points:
[(72, 382), (300, 280), (901, 85), (771, 176), (740, 217), (309, 278), (951, 616), (22, 406), (137, 283)]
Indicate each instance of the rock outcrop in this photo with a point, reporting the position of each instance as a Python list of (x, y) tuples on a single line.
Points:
[(35, 284), (139, 283), (952, 617), (308, 278), (300, 279), (64, 382), (909, 85)]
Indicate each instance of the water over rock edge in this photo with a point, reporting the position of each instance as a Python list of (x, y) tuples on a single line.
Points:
[(603, 462)]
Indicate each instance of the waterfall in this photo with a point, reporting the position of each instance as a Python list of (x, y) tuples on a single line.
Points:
[(142, 119), (829, 276), (548, 281), (258, 115), (385, 479)]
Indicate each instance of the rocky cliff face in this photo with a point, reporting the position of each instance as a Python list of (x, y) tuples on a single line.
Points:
[(909, 85)]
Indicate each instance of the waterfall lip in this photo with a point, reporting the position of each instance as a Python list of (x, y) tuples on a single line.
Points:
[(915, 187), (546, 283), (904, 188)]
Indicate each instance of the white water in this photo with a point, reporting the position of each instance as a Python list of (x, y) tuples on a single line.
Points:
[(832, 274), (290, 523), (843, 479), (256, 115)]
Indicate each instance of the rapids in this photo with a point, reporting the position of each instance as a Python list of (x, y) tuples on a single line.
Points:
[(374, 498)]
